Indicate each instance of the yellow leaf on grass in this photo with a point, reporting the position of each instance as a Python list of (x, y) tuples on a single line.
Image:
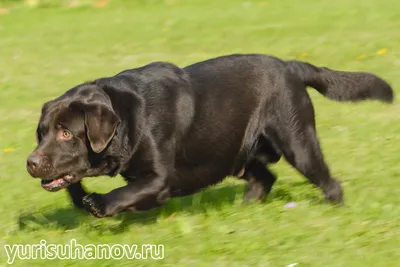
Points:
[(9, 149), (382, 51), (32, 3), (100, 3), (73, 3), (361, 56), (3, 11), (302, 54), (263, 4)]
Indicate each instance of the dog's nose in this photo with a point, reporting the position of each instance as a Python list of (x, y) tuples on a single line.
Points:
[(33, 163)]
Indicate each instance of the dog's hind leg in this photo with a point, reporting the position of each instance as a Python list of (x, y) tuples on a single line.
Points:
[(307, 158), (300, 146), (259, 178), (259, 181)]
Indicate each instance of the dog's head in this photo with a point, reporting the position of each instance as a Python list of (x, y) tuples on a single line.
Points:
[(73, 131)]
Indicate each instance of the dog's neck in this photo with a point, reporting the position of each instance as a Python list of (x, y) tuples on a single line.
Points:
[(130, 110)]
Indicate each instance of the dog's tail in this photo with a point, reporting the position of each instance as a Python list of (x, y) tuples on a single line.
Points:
[(342, 85)]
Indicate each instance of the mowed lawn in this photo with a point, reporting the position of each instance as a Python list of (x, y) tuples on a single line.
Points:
[(45, 51)]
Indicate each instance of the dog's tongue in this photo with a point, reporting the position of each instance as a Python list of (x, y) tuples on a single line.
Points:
[(53, 185), (56, 184)]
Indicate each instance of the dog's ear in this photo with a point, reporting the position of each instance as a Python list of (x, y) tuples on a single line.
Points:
[(101, 122)]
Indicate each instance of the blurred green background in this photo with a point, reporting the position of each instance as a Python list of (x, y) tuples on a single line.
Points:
[(49, 46)]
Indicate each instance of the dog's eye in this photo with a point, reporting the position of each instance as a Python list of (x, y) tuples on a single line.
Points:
[(66, 134)]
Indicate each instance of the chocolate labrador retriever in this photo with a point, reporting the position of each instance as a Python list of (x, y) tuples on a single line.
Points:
[(172, 131)]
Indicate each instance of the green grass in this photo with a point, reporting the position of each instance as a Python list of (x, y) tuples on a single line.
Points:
[(45, 51)]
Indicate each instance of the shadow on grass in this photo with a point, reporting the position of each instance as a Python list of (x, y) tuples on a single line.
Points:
[(71, 218), (211, 199)]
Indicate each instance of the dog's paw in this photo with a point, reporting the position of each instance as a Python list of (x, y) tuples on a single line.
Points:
[(334, 193), (94, 204)]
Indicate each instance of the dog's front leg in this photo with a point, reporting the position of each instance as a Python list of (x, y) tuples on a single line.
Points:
[(151, 190), (77, 193)]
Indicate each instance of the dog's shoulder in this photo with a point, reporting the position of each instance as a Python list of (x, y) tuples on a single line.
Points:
[(156, 75), (154, 71)]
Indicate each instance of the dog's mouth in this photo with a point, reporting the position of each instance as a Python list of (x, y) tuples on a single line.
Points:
[(59, 183)]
